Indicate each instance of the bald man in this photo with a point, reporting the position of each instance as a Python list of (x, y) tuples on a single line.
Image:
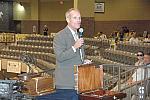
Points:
[(69, 52)]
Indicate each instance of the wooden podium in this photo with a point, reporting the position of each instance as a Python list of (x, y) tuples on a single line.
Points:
[(39, 86), (89, 84)]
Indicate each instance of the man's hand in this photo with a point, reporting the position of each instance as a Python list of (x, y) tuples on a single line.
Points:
[(78, 43), (87, 61)]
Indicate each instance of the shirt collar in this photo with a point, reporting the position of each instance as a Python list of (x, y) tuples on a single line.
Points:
[(72, 31)]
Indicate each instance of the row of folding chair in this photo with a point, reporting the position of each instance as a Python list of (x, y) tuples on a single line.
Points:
[(31, 48), (37, 55), (97, 42), (40, 37), (35, 43), (134, 48), (119, 57)]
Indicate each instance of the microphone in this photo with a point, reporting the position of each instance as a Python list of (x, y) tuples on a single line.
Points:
[(80, 32)]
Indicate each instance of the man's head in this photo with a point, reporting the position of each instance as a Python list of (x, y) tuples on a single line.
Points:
[(73, 18), (45, 25), (140, 55), (147, 58)]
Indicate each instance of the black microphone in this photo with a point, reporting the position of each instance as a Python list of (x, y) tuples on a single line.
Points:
[(80, 32)]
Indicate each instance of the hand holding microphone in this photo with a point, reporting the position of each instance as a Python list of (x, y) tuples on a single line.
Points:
[(79, 41)]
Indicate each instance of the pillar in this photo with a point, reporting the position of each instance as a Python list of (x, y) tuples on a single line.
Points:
[(86, 8)]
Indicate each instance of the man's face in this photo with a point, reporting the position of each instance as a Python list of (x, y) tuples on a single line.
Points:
[(74, 21), (140, 55), (146, 59)]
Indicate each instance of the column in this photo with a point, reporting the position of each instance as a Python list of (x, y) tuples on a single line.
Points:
[(86, 8), (35, 14)]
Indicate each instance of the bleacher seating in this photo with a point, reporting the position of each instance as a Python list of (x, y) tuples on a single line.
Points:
[(119, 56), (38, 47), (35, 43), (40, 37), (125, 52), (31, 48), (133, 48), (98, 50)]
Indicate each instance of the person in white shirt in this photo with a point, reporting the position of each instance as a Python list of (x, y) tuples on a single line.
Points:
[(140, 57), (138, 76), (103, 36), (134, 39)]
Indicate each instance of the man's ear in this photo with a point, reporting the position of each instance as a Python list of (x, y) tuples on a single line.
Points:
[(67, 19)]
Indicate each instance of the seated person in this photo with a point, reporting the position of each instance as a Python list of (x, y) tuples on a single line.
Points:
[(97, 35), (134, 39), (138, 76), (103, 36), (122, 33), (100, 35), (131, 33), (147, 38), (113, 44), (114, 34), (145, 34), (140, 57)]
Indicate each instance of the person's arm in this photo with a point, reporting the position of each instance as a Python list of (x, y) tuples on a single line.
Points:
[(62, 52), (138, 75), (130, 80)]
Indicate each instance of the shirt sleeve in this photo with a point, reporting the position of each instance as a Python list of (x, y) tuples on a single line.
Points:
[(73, 49)]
